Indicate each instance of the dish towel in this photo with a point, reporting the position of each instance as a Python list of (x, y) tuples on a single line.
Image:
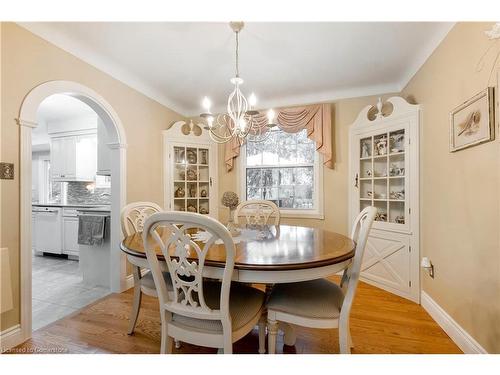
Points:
[(91, 229)]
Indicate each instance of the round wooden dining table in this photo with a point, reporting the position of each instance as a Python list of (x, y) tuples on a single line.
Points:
[(279, 254)]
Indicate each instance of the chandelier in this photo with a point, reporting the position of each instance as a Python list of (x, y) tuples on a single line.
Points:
[(242, 120)]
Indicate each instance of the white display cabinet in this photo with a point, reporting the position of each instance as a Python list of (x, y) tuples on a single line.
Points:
[(384, 173), (190, 170)]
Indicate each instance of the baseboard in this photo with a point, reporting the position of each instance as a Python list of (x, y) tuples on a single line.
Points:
[(459, 335), (11, 337), (129, 280)]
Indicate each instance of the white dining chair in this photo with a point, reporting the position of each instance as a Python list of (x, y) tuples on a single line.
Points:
[(257, 212), (201, 312), (321, 303), (133, 217)]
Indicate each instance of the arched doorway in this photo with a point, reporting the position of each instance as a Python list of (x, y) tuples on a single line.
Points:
[(117, 144)]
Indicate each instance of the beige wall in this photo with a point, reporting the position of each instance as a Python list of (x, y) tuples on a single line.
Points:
[(28, 61), (344, 112), (460, 191)]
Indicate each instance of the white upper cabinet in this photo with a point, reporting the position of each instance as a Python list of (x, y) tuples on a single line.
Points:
[(74, 157), (103, 153)]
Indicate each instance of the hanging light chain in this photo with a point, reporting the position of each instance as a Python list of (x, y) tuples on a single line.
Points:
[(237, 54)]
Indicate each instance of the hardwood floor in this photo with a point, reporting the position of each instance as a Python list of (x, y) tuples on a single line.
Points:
[(380, 323)]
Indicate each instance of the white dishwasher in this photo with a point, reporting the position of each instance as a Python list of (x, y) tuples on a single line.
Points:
[(47, 234)]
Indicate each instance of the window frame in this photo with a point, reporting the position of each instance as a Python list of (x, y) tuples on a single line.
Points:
[(316, 213)]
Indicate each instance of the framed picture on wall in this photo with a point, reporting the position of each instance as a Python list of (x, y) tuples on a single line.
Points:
[(473, 122)]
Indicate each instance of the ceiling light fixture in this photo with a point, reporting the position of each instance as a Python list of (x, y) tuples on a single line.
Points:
[(240, 120)]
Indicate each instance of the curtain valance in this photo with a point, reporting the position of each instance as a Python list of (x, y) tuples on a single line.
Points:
[(317, 119)]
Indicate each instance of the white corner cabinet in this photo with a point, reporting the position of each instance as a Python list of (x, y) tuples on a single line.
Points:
[(384, 173), (73, 156), (190, 169)]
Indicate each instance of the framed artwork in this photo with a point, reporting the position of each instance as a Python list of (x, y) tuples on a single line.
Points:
[(473, 122)]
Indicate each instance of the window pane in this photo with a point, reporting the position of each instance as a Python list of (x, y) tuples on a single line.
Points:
[(304, 176), (269, 150), (254, 154), (305, 153), (286, 176), (253, 193), (287, 149), (254, 177), (270, 177)]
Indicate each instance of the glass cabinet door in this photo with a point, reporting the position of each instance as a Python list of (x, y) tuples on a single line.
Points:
[(382, 175), (191, 179)]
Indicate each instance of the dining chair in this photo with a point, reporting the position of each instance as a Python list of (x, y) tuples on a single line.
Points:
[(260, 212), (133, 217), (321, 303), (201, 311)]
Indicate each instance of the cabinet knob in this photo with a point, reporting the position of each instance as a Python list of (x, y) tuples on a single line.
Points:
[(356, 180)]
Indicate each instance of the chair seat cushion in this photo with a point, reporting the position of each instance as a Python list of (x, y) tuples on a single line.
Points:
[(316, 299), (148, 282), (245, 303)]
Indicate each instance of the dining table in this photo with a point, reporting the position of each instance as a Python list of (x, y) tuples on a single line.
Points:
[(266, 255)]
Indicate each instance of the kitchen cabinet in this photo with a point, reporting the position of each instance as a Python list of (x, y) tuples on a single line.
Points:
[(70, 231), (103, 151), (74, 157)]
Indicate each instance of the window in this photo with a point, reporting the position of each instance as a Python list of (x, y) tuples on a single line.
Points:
[(285, 169)]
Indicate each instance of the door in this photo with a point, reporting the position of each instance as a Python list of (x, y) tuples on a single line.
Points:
[(191, 183)]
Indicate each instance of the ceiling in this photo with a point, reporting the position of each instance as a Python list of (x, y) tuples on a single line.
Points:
[(283, 63), (61, 107), (56, 108)]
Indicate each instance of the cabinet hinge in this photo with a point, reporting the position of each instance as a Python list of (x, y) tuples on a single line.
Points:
[(409, 210), (409, 283), (409, 249), (409, 141)]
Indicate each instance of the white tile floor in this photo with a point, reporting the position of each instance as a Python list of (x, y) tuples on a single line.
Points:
[(59, 290)]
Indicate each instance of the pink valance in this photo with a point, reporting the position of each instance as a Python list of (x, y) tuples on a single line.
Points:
[(317, 119)]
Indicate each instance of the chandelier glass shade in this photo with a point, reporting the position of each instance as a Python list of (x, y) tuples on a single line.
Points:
[(241, 121)]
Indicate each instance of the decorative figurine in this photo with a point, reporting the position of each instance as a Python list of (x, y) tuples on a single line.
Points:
[(179, 193), (382, 146), (191, 174), (203, 193), (203, 211), (230, 200), (191, 208), (369, 173), (400, 219), (365, 152)]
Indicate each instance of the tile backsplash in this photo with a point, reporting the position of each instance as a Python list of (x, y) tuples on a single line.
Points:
[(78, 193)]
